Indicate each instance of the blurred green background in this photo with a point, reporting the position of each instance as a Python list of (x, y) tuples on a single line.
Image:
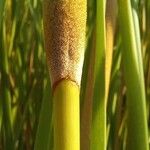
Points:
[(23, 71), (24, 81)]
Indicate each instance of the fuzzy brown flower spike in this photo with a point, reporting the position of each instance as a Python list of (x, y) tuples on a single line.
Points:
[(64, 29)]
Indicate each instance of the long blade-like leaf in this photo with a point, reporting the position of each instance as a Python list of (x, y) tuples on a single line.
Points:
[(98, 135), (44, 132), (137, 124)]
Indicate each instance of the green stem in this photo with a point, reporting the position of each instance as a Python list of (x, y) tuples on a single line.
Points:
[(66, 116)]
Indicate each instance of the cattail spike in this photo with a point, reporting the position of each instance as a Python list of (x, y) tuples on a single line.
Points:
[(64, 28)]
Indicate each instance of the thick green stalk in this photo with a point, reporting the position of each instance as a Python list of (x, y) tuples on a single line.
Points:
[(137, 124), (66, 116), (98, 133)]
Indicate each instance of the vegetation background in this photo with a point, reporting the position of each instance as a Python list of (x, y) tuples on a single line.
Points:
[(25, 92)]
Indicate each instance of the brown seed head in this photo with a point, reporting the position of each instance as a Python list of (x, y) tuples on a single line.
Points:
[(64, 29)]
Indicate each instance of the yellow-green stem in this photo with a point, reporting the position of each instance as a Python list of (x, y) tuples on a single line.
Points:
[(66, 116)]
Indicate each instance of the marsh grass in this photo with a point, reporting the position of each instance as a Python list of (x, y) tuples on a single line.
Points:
[(26, 118)]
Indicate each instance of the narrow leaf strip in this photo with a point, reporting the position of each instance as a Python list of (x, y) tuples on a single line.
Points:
[(98, 131), (44, 133), (110, 31)]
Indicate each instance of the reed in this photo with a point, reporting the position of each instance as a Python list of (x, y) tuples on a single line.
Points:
[(64, 30)]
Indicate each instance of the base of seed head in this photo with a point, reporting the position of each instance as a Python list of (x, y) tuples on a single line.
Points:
[(64, 30)]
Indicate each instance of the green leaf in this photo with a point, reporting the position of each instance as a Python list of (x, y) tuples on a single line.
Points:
[(44, 136), (1, 113), (6, 97), (137, 137), (2, 4), (98, 133)]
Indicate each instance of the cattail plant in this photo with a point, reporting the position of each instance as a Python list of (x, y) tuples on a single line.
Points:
[(64, 30)]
